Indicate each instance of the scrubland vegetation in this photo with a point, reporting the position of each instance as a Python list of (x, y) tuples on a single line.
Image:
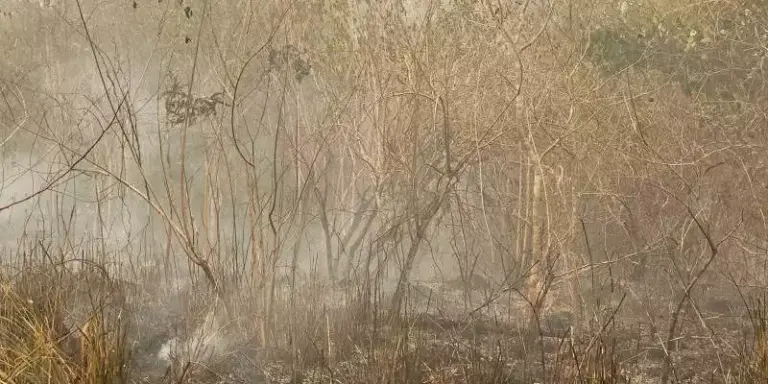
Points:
[(395, 191)]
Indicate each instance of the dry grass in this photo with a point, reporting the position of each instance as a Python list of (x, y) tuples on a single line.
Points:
[(39, 344), (330, 335)]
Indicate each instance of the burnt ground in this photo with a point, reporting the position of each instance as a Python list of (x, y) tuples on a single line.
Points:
[(446, 334)]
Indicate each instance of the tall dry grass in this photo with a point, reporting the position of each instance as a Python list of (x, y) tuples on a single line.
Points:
[(40, 342)]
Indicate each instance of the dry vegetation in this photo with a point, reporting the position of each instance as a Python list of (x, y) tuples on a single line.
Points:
[(312, 191)]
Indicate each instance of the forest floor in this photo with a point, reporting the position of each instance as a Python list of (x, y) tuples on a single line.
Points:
[(449, 332)]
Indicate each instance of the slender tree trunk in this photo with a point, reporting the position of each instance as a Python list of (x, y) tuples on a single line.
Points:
[(538, 284)]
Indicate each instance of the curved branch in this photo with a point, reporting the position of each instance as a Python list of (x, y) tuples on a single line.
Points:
[(239, 79)]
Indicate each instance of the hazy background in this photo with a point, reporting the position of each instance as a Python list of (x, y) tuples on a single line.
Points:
[(577, 157)]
